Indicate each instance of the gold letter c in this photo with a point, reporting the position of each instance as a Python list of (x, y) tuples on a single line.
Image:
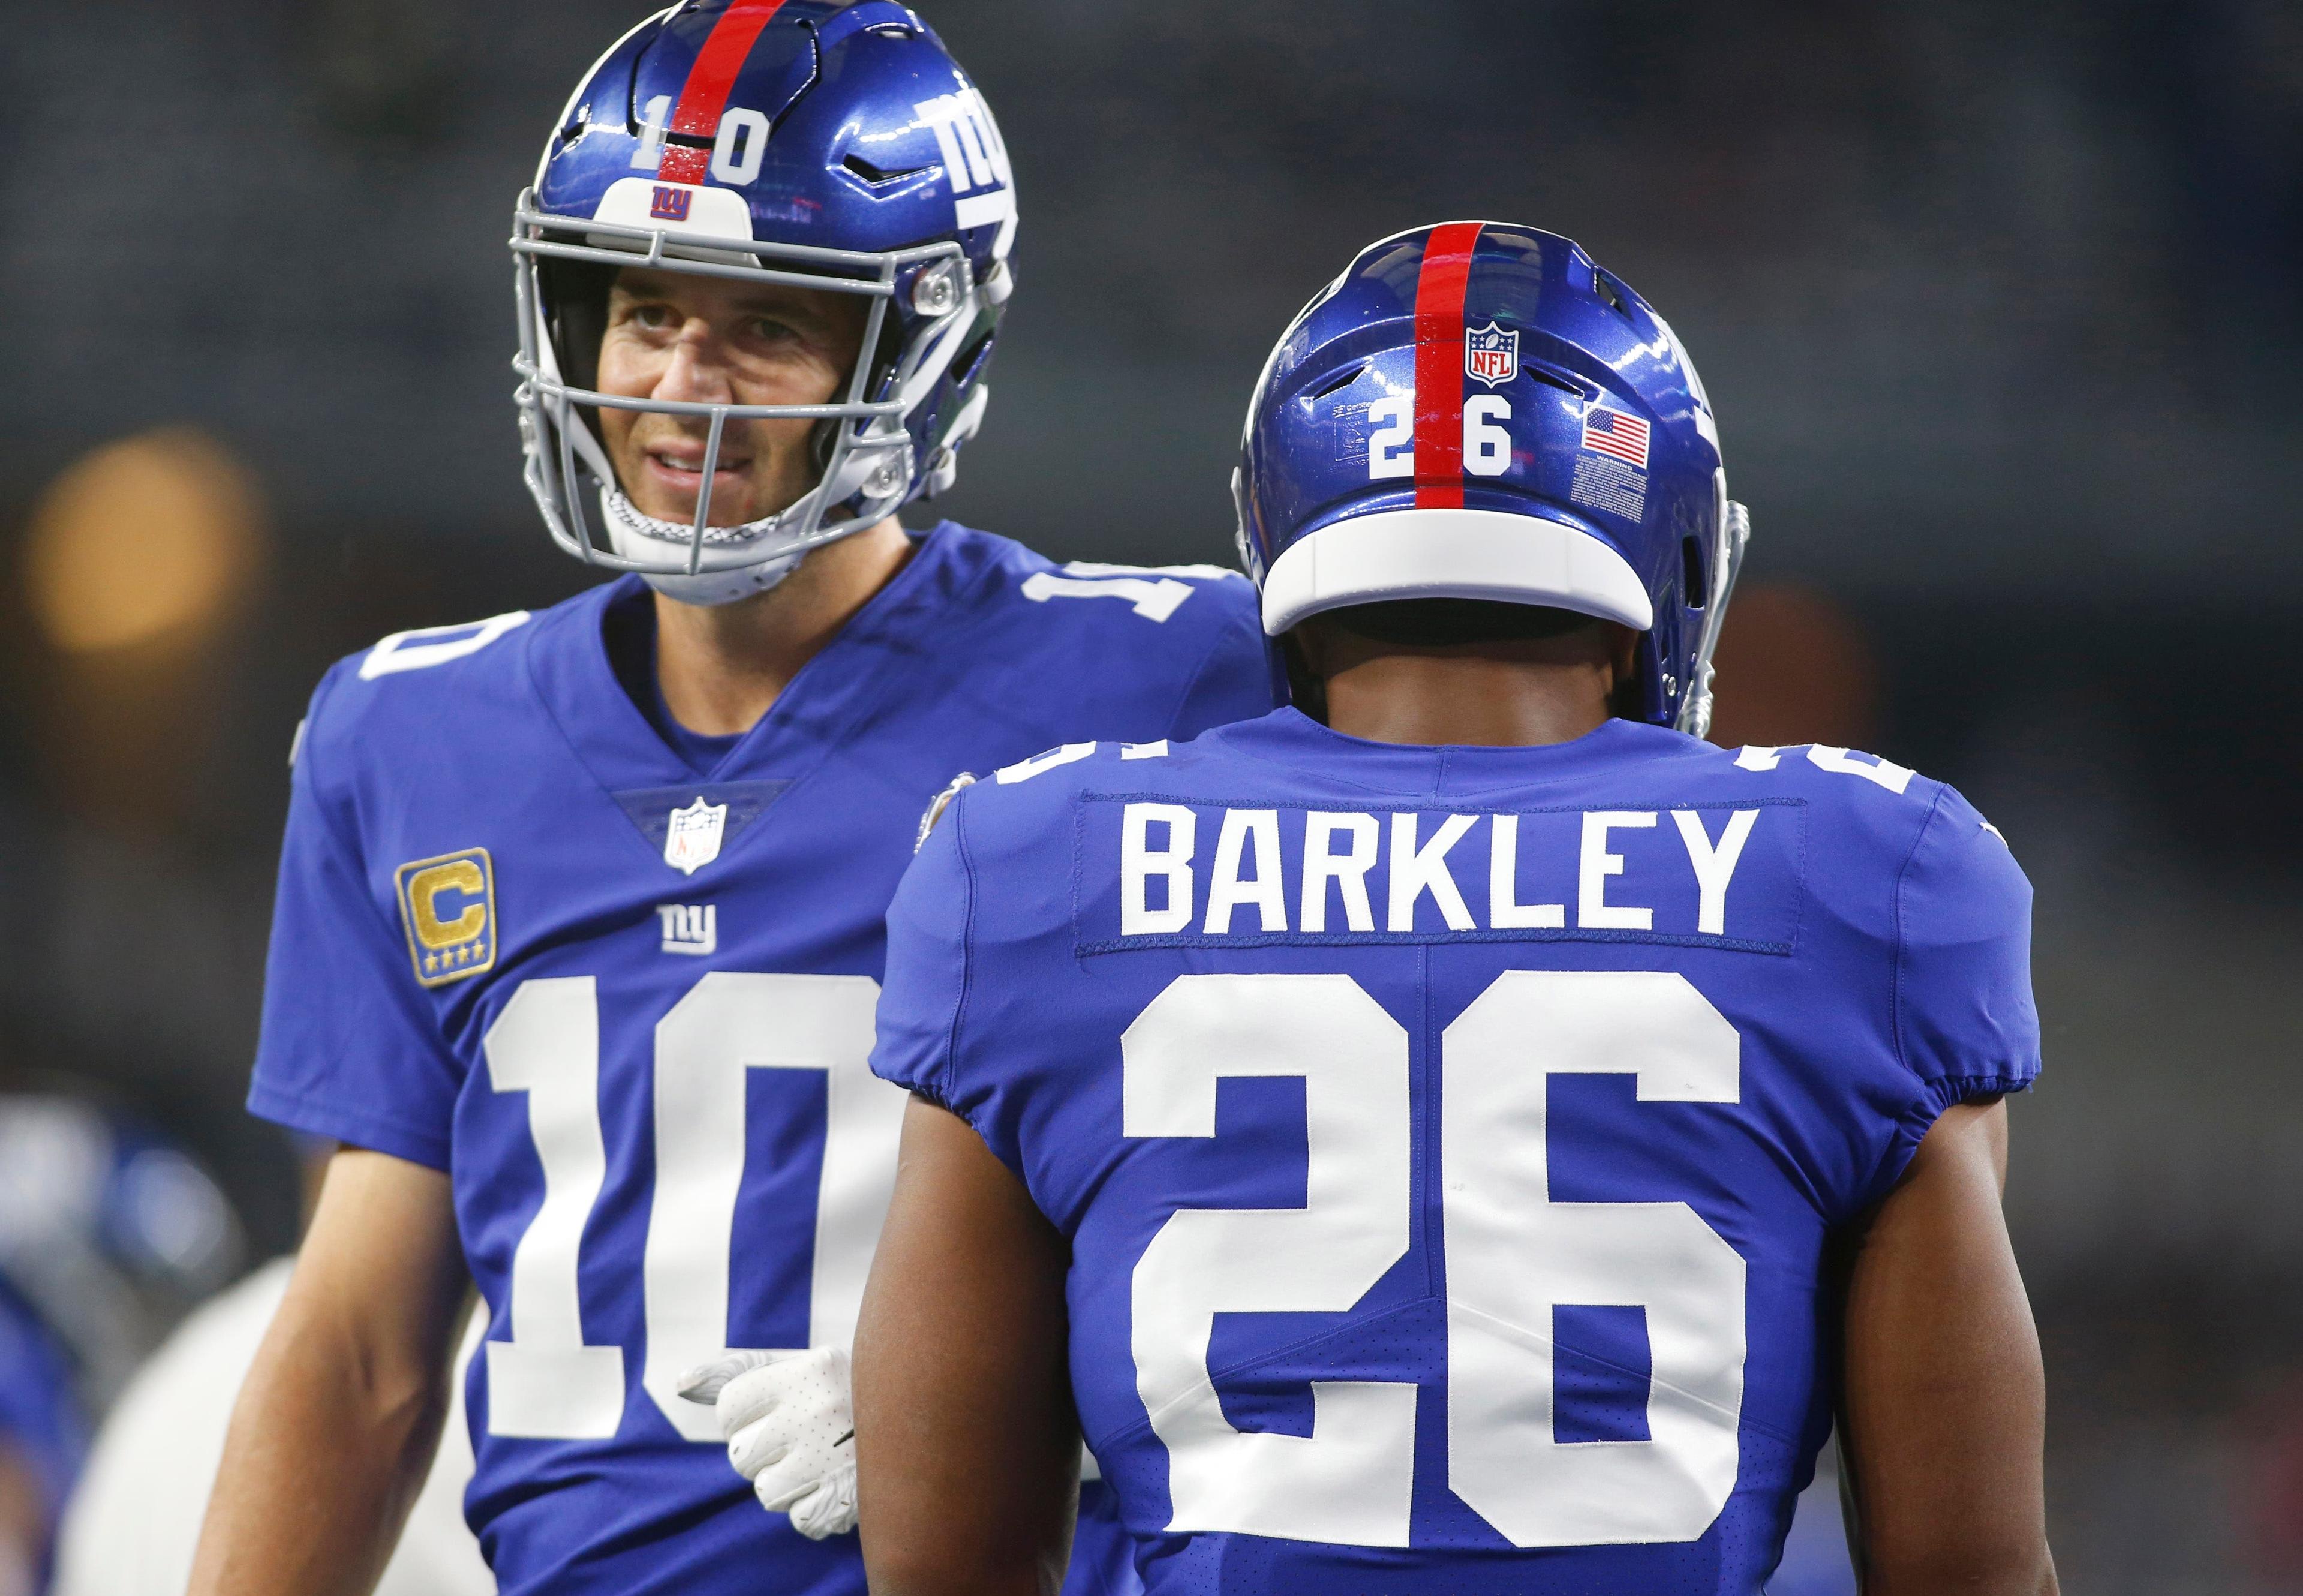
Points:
[(424, 893)]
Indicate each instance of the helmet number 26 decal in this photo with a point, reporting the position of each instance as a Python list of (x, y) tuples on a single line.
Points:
[(1391, 447)]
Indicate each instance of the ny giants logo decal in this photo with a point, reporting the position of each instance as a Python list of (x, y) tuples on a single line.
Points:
[(691, 929), (974, 157), (1490, 355), (670, 205)]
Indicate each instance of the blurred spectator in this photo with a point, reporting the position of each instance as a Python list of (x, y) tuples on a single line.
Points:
[(108, 1232), (42, 1436)]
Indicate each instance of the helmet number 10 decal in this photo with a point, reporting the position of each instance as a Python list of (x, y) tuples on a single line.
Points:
[(739, 150), (1391, 447)]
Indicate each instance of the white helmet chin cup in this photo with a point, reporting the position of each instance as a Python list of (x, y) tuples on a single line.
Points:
[(642, 539), (711, 589)]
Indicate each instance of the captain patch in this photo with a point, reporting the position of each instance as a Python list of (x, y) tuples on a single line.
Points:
[(449, 907)]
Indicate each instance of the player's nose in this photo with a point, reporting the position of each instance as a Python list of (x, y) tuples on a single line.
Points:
[(696, 375)]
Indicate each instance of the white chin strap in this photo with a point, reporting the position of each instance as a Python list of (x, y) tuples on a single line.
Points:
[(636, 535)]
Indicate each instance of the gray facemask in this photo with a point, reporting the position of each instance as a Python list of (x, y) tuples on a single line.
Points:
[(871, 467)]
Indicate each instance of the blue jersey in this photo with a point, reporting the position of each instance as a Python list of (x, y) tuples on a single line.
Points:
[(627, 1004), (42, 1430), (1447, 1138)]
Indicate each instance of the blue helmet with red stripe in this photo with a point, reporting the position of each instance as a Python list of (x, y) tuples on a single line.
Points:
[(834, 144), (1476, 410)]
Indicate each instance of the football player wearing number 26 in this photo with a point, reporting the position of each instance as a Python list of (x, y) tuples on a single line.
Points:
[(579, 928), (1460, 1132)]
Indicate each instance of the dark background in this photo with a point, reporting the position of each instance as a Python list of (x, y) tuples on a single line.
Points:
[(2002, 309)]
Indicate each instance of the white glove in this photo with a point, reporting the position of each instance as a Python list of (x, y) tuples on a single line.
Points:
[(791, 1431)]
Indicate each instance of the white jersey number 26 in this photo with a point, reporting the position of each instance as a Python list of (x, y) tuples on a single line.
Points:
[(547, 1381), (1513, 1255)]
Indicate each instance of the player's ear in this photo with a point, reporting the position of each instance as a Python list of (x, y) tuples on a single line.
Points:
[(1624, 662), (1306, 645), (1303, 648), (1624, 648)]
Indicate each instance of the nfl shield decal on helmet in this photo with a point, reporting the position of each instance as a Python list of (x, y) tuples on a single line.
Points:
[(1490, 354), (692, 839)]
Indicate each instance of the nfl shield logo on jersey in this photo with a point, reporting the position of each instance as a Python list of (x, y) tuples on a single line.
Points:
[(1490, 354), (692, 839)]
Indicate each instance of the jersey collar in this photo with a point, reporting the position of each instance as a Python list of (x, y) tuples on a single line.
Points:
[(570, 672)]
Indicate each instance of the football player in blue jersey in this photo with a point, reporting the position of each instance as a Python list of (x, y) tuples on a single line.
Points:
[(580, 924), (1461, 1132)]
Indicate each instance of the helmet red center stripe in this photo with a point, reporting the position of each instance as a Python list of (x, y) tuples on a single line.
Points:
[(1440, 292), (705, 96)]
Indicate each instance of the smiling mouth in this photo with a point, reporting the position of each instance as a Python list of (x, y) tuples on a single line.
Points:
[(690, 468)]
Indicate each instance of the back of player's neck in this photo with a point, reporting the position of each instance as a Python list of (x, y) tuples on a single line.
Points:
[(1467, 699)]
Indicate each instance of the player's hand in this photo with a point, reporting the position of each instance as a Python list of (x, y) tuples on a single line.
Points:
[(791, 1431)]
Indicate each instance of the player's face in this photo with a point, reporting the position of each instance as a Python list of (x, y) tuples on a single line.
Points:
[(709, 340)]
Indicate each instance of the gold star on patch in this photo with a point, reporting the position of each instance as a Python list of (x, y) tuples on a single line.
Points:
[(431, 963)]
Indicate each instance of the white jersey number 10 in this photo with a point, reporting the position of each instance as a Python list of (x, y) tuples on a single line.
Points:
[(547, 1381)]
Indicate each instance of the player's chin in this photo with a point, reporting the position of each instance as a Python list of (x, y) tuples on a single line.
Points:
[(670, 492)]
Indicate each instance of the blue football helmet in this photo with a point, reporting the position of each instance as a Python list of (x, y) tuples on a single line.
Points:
[(1476, 410), (827, 143)]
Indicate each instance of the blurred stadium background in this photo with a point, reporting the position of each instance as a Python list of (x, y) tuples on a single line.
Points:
[(2002, 309)]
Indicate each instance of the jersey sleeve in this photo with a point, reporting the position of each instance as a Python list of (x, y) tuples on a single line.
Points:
[(1965, 1022), (932, 1038), (350, 1047), (924, 990), (1239, 680)]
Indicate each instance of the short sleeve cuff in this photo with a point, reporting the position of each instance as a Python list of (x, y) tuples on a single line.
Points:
[(376, 1132), (926, 1077), (1921, 1118)]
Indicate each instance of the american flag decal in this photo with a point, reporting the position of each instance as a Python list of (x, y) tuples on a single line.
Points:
[(1612, 432)]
